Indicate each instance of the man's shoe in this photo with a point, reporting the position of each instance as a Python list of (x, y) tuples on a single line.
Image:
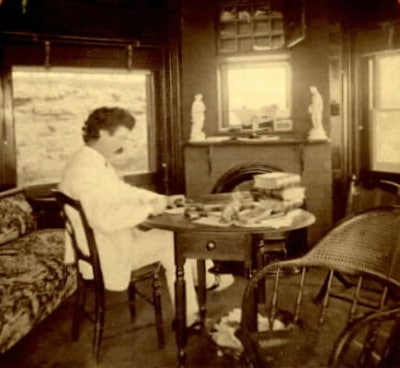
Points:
[(224, 281), (215, 284), (221, 282)]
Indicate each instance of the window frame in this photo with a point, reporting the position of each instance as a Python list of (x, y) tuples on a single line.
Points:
[(85, 54), (269, 60), (368, 107)]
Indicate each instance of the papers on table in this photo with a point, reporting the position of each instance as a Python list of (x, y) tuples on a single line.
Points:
[(212, 221), (217, 139), (263, 138), (277, 222), (175, 211)]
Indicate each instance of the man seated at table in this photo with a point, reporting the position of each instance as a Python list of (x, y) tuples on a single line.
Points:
[(115, 209)]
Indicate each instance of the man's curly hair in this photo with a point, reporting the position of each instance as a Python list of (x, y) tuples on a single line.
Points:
[(106, 118)]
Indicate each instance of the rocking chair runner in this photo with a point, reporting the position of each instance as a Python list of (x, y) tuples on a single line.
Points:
[(372, 341), (97, 317), (355, 249)]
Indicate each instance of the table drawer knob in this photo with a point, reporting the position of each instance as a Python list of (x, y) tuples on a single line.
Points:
[(211, 245)]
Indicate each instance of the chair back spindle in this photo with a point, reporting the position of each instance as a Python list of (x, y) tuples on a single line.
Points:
[(299, 298), (325, 302), (274, 303)]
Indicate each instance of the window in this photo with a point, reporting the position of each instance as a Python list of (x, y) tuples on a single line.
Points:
[(384, 112), (254, 90), (50, 106)]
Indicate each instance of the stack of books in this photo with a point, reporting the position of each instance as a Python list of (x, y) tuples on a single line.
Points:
[(283, 187)]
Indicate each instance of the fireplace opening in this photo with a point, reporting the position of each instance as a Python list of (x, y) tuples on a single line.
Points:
[(241, 177)]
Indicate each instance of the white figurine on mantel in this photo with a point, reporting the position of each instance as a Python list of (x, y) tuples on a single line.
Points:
[(198, 109), (315, 109)]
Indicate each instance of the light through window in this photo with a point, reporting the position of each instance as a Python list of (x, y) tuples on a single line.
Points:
[(384, 112), (51, 105), (254, 91)]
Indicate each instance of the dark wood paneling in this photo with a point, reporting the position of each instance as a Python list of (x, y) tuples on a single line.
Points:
[(64, 51), (142, 19), (199, 62)]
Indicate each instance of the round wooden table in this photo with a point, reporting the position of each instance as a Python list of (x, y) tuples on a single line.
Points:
[(201, 242)]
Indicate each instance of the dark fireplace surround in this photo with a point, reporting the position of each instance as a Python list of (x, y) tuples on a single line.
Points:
[(240, 174)]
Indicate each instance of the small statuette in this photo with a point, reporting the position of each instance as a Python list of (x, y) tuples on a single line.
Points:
[(198, 109), (315, 110)]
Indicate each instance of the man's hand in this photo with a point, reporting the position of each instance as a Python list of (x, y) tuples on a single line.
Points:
[(176, 200), (158, 205)]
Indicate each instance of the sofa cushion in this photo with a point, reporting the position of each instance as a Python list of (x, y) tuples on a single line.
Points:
[(16, 217), (33, 281)]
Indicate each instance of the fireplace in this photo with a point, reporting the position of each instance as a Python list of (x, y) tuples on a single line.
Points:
[(240, 176), (218, 167)]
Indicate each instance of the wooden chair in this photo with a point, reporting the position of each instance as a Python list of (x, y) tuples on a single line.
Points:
[(372, 341), (97, 316), (371, 194), (363, 248)]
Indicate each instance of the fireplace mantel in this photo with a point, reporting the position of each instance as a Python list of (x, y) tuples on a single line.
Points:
[(272, 140), (207, 161)]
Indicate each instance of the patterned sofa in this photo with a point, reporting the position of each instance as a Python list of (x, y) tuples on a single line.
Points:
[(33, 277)]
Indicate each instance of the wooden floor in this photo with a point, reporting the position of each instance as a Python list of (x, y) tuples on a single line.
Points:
[(133, 345), (125, 345)]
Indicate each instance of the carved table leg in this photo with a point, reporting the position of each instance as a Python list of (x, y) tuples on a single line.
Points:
[(248, 271), (180, 306), (259, 245), (201, 280)]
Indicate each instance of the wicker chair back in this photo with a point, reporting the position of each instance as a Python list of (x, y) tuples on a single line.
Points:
[(364, 249)]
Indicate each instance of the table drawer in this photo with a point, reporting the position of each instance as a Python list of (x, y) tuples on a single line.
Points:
[(218, 246)]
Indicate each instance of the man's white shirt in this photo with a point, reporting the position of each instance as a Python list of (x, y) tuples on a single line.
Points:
[(113, 208)]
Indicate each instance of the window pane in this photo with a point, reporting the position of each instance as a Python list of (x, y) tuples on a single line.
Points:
[(385, 140), (254, 87), (255, 91), (384, 117), (388, 81), (51, 105)]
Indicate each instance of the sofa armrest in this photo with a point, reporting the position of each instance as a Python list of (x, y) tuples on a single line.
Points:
[(16, 216)]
